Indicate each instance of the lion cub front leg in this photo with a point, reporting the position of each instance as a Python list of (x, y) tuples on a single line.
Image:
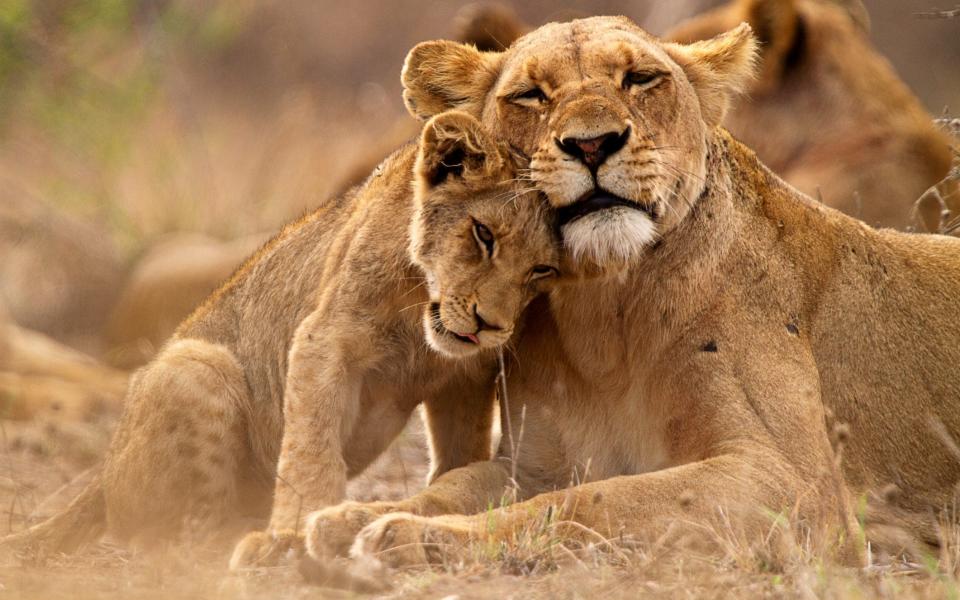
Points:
[(321, 403), (459, 419)]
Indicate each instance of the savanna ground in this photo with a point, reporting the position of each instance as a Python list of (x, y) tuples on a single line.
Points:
[(153, 117)]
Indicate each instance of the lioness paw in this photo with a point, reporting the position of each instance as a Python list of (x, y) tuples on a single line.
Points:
[(403, 539), (330, 532), (266, 549)]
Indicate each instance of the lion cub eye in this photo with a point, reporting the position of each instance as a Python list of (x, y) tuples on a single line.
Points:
[(542, 271), (532, 97), (642, 79), (484, 237)]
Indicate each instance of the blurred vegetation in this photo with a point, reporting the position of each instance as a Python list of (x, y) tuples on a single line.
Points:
[(83, 75)]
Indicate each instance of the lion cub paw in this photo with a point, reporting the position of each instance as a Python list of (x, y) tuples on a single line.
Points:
[(267, 549), (330, 532)]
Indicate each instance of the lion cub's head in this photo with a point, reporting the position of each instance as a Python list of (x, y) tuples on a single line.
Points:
[(482, 235), (615, 121)]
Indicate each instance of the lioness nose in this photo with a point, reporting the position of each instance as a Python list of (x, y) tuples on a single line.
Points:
[(594, 151)]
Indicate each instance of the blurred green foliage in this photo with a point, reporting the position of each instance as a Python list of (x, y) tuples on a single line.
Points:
[(84, 76), (85, 70)]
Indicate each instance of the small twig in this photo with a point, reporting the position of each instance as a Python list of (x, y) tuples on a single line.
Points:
[(505, 404)]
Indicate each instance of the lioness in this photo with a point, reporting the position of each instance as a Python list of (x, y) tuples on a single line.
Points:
[(696, 380), (317, 351)]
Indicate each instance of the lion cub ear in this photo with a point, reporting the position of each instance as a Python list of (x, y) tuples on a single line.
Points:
[(718, 68), (455, 145), (440, 75)]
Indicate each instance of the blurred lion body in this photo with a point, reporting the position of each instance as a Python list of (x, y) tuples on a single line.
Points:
[(59, 275), (828, 113), (166, 285), (39, 377), (702, 379), (307, 362)]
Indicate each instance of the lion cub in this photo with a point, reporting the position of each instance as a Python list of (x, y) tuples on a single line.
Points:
[(302, 368), (485, 247)]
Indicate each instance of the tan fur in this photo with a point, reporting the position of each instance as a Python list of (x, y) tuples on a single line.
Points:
[(488, 25), (305, 365), (40, 377), (768, 355), (828, 113)]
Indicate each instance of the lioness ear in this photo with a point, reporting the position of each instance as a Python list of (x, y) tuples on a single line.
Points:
[(441, 75), (454, 144), (718, 68)]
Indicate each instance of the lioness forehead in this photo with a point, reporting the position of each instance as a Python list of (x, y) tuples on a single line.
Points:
[(578, 31), (582, 44)]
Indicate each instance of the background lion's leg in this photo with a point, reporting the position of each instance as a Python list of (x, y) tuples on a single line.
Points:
[(176, 455)]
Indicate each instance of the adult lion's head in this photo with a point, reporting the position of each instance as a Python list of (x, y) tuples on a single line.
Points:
[(615, 121)]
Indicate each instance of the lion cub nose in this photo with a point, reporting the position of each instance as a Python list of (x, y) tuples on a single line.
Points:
[(594, 151), (483, 324)]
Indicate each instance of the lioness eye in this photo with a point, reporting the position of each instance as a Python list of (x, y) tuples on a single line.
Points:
[(541, 271), (641, 79), (484, 237)]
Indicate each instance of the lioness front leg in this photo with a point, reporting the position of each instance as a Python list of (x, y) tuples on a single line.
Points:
[(468, 490), (693, 497), (321, 403)]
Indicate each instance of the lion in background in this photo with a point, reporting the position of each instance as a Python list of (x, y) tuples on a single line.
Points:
[(828, 113)]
